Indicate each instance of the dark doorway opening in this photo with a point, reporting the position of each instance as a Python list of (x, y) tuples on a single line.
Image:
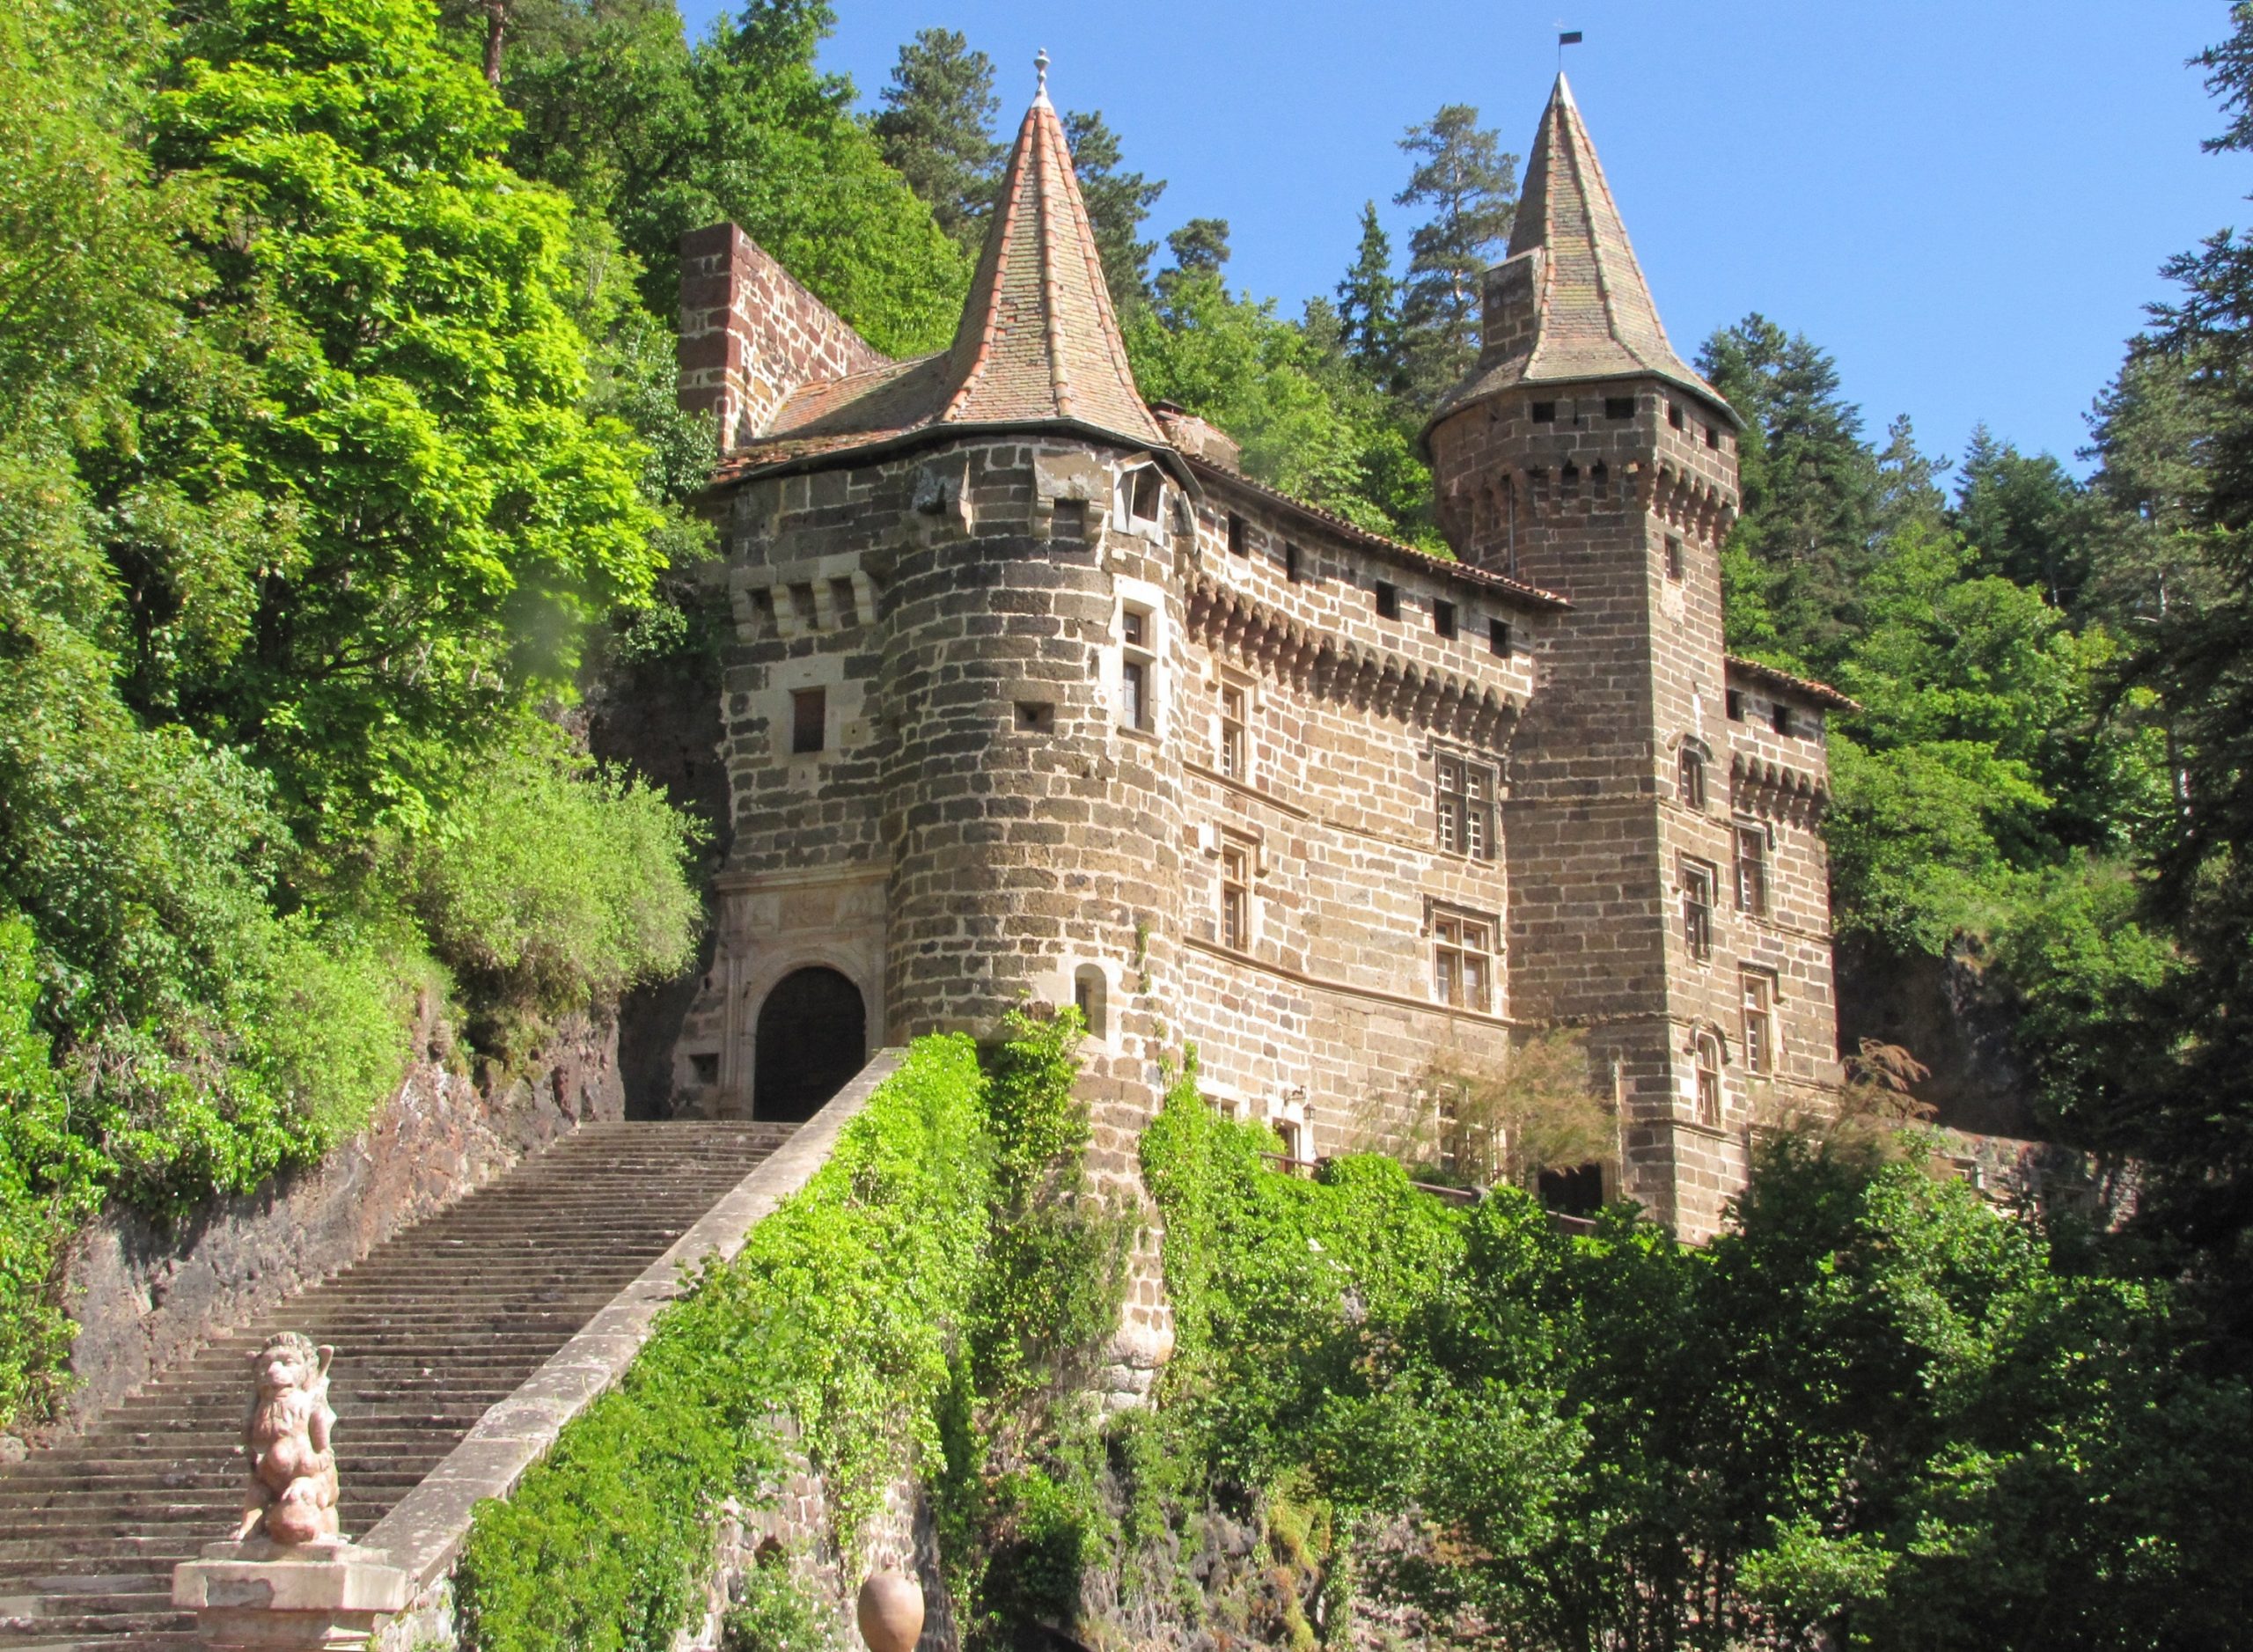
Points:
[(812, 1037), (1578, 1191)]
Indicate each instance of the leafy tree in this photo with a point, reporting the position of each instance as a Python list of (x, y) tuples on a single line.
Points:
[(660, 138), (427, 511), (1117, 202), (1469, 186), (937, 130)]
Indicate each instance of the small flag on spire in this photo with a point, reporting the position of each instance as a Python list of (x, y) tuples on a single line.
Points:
[(1569, 37)]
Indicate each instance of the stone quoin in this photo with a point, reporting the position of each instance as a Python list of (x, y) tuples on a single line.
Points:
[(1033, 696)]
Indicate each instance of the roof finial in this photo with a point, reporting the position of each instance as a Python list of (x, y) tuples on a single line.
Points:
[(1040, 64)]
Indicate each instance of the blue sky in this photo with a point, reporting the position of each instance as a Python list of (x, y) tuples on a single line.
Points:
[(1966, 202)]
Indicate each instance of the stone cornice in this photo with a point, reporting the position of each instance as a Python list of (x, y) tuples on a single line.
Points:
[(1312, 661)]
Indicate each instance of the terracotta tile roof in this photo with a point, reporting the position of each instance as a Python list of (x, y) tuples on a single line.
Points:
[(1038, 343), (1407, 555), (1594, 315), (1822, 692)]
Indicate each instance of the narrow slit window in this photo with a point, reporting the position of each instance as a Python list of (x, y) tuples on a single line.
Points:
[(1236, 749), (1691, 782), (1752, 870), (1237, 547), (1674, 414), (1236, 897), (1292, 570), (1443, 618), (1735, 704), (1673, 556), (1698, 910), (809, 721), (1498, 638), (1709, 1079), (1137, 670), (1759, 1023)]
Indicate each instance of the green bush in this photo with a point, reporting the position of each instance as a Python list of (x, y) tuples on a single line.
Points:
[(553, 882), (773, 1614), (838, 1316)]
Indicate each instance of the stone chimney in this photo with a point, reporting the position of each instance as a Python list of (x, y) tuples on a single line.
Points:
[(1511, 308), (749, 334)]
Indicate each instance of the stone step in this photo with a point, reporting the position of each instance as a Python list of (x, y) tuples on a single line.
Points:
[(431, 1329)]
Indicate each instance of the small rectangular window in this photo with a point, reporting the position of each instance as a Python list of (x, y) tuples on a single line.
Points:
[(809, 720), (1133, 628), (1235, 753), (1147, 492), (1735, 703), (1779, 717), (1237, 547), (1498, 638), (1544, 412), (1036, 716), (1465, 799), (1067, 523), (1698, 909), (1691, 779), (841, 598), (1388, 601), (1673, 556), (1133, 694), (1674, 414), (1752, 870), (1463, 962), (1618, 407), (1443, 618), (1712, 436), (1236, 897), (1291, 570), (1759, 1022)]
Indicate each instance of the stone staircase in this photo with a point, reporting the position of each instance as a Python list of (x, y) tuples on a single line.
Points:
[(433, 1328)]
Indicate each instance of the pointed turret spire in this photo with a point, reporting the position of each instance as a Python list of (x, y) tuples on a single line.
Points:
[(1570, 303), (1038, 338)]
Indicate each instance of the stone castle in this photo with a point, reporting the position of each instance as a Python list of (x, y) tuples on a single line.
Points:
[(1033, 695)]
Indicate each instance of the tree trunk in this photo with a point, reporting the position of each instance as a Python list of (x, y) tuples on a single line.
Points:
[(496, 26)]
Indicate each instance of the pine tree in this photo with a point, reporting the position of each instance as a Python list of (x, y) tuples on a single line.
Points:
[(1117, 203), (937, 130), (1810, 482), (1471, 186), (1368, 306)]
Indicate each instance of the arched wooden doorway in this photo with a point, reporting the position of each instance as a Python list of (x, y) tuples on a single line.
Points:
[(812, 1037)]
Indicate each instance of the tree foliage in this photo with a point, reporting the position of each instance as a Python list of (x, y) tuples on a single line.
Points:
[(936, 130)]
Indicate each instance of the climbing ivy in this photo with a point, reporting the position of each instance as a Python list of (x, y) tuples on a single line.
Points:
[(946, 1235)]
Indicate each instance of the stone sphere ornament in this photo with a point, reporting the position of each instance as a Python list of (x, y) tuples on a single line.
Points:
[(890, 1612)]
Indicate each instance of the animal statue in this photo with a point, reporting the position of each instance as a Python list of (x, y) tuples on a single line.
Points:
[(291, 1497)]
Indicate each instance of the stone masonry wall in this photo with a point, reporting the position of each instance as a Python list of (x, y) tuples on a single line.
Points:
[(1327, 1018), (146, 1293), (1618, 496), (749, 334)]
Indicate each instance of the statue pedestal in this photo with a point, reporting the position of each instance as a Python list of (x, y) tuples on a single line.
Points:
[(260, 1595)]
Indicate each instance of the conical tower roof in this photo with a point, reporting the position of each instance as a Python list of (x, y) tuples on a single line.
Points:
[(1038, 338), (1039, 343), (1592, 314)]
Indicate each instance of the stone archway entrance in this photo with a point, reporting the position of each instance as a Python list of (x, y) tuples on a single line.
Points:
[(812, 1037)]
